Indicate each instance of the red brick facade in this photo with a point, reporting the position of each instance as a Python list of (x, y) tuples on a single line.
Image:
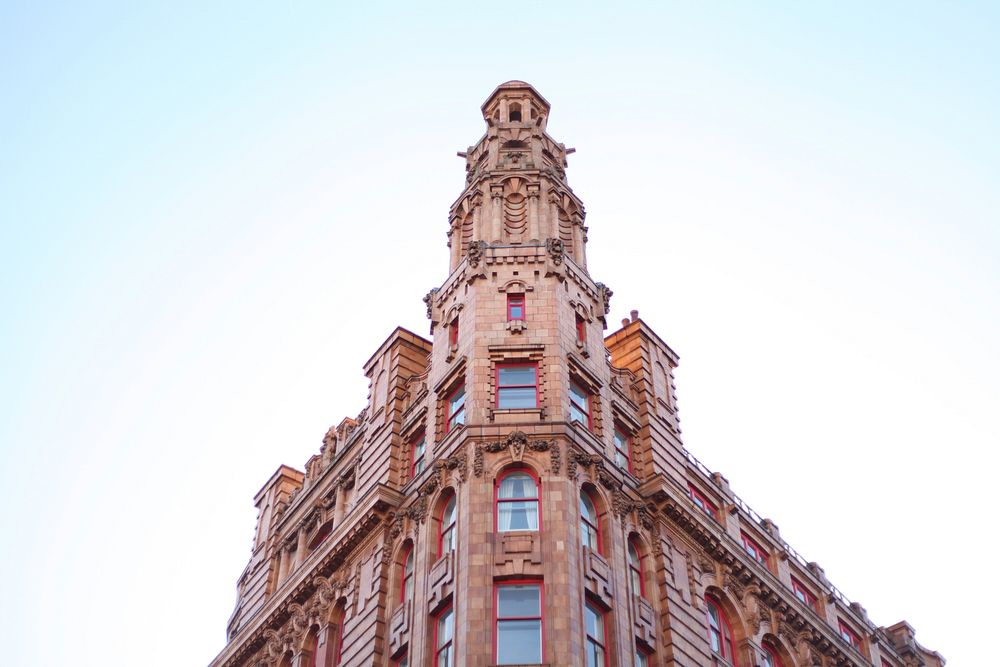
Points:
[(517, 489)]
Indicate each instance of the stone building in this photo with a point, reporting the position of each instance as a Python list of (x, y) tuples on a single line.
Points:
[(517, 492)]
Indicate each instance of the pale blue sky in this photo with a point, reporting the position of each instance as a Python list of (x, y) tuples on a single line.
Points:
[(211, 216)]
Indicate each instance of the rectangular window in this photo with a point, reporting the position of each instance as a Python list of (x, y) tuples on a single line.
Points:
[(756, 551), (706, 505), (517, 386), (453, 333), (849, 635), (456, 408), (581, 329), (597, 647), (444, 639), (515, 307), (519, 638), (418, 447), (403, 661), (579, 405), (641, 659), (804, 595), (623, 449)]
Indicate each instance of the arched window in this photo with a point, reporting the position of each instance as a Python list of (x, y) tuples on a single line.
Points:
[(635, 569), (406, 582), (517, 501), (771, 657), (337, 633), (515, 113), (720, 634), (590, 529), (447, 532), (313, 648)]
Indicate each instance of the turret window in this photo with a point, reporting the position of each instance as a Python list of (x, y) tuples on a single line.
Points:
[(456, 408), (517, 386), (580, 405), (519, 626), (515, 307), (517, 501)]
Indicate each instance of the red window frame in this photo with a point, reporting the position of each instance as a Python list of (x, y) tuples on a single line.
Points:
[(497, 499), (596, 527), (453, 333), (500, 388), (807, 597), (723, 635), (516, 301), (706, 505), (450, 416), (497, 618), (450, 528), (587, 638), (419, 439), (338, 636), (641, 657), (757, 552), (635, 568), (885, 663), (450, 644), (581, 329), (772, 654), (402, 661), (848, 634), (406, 581), (623, 447), (586, 409)]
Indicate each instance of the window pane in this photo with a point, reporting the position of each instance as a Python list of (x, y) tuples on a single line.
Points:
[(408, 566), (519, 642), (444, 658), (418, 466), (621, 459), (641, 660), (450, 510), (594, 623), (578, 395), (418, 449), (633, 556), (517, 515), (516, 375), (457, 398), (577, 415), (636, 582), (516, 311), (588, 535), (595, 655), (445, 628), (518, 601), (587, 509), (517, 397), (518, 485)]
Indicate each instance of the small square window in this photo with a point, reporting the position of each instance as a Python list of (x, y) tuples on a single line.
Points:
[(756, 551), (703, 503), (515, 307), (849, 635), (804, 595)]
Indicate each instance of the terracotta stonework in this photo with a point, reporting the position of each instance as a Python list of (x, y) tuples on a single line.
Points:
[(352, 562)]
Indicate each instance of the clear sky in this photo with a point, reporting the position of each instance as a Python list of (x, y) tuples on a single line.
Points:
[(212, 213)]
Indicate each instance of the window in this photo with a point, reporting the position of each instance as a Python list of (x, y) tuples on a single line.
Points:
[(519, 624), (849, 635), (623, 449), (720, 634), (596, 648), (444, 638), (339, 615), (885, 663), (446, 526), (579, 405), (515, 307), (706, 505), (517, 386), (402, 661), (418, 447), (771, 657), (313, 649), (754, 549), (517, 501), (406, 584), (581, 329), (641, 658), (635, 570), (590, 531), (804, 595), (456, 408), (453, 333)]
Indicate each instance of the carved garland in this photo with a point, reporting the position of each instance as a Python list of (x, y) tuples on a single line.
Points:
[(515, 444)]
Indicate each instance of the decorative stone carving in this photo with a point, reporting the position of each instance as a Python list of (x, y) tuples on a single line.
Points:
[(556, 250), (604, 294), (457, 462), (515, 444), (477, 249), (576, 456), (429, 302)]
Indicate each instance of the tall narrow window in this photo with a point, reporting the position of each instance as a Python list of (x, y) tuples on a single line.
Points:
[(590, 532), (635, 570), (447, 526), (706, 505), (804, 594), (720, 634), (517, 386), (456, 408), (313, 649), (771, 657), (453, 333), (418, 447), (597, 647), (623, 449), (340, 616), (519, 638), (756, 551), (517, 502), (444, 639), (849, 635), (579, 405), (406, 585), (515, 307), (641, 658), (581, 329)]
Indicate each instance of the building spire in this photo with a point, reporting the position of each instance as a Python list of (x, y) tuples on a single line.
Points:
[(516, 190)]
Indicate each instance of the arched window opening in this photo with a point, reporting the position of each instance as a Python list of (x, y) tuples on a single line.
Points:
[(771, 657), (515, 113), (337, 632), (406, 581), (590, 527), (517, 501), (635, 569), (447, 528), (720, 633), (313, 647), (321, 534)]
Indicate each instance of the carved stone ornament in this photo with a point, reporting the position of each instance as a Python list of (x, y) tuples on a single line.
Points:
[(515, 444), (457, 462), (604, 294), (576, 456), (556, 250), (476, 251), (429, 302)]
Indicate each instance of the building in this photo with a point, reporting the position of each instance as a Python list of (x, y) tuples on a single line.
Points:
[(517, 492)]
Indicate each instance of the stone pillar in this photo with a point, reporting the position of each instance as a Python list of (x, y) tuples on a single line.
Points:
[(496, 233), (283, 557), (533, 234), (300, 548)]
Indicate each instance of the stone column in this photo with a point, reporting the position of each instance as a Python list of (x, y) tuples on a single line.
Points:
[(496, 235), (300, 548), (533, 234)]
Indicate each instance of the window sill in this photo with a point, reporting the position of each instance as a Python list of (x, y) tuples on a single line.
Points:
[(515, 415)]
